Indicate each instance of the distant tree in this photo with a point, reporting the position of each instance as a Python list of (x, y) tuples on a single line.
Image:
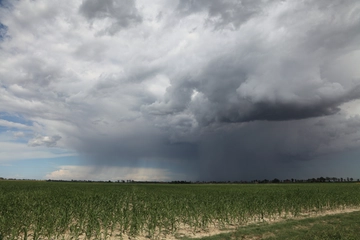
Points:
[(275, 180)]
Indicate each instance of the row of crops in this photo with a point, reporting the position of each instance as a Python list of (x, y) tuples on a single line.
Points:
[(49, 210)]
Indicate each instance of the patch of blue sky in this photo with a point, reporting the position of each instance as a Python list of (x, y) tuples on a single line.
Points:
[(16, 118), (15, 128), (14, 136), (3, 129), (35, 168)]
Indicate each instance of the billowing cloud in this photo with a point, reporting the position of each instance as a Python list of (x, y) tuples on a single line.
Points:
[(211, 89), (49, 141)]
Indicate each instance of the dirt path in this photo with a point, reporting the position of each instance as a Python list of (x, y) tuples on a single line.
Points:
[(211, 231)]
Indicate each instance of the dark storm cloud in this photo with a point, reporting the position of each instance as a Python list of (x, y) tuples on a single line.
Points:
[(274, 149), (224, 95), (235, 89), (123, 13), (290, 111), (252, 81), (282, 111), (132, 149), (281, 80)]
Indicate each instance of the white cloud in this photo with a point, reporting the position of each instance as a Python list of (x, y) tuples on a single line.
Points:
[(352, 108), (9, 124), (19, 134), (49, 141)]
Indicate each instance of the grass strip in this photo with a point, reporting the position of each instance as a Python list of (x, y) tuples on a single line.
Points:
[(338, 227)]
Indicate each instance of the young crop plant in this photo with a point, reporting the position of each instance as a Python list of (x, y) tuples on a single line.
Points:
[(58, 210)]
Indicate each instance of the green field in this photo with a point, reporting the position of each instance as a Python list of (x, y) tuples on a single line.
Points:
[(51, 210)]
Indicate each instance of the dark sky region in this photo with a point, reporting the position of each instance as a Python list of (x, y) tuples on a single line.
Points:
[(179, 90)]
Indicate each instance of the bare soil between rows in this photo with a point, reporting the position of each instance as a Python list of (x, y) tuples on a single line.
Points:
[(187, 231)]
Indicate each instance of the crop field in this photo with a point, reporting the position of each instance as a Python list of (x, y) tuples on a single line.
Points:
[(52, 210)]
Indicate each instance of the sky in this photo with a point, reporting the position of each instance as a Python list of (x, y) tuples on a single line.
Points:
[(179, 90)]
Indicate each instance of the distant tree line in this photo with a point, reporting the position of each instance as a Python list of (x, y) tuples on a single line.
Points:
[(256, 181)]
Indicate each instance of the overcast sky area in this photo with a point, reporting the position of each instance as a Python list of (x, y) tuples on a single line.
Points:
[(179, 90)]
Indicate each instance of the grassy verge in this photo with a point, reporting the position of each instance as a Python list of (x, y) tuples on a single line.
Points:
[(337, 227)]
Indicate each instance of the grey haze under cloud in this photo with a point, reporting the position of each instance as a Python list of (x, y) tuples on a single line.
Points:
[(224, 89), (223, 14)]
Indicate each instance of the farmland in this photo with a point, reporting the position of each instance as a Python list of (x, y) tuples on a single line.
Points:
[(53, 210)]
